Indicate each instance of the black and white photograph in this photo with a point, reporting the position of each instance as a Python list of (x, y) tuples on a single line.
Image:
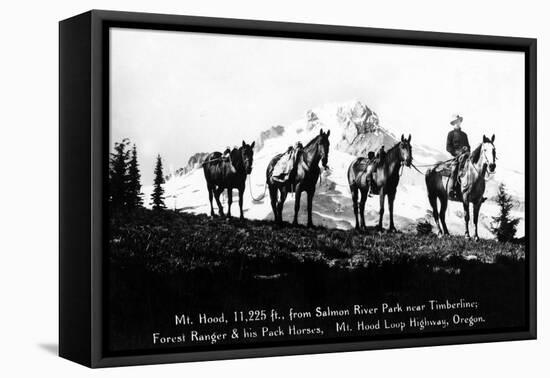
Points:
[(269, 191), (290, 188)]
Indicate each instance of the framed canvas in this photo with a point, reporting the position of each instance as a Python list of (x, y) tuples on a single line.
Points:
[(236, 188)]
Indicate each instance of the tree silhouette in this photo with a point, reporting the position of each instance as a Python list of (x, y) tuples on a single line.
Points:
[(157, 196), (118, 174), (504, 226), (134, 185)]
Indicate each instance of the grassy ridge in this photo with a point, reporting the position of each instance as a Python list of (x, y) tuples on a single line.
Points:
[(165, 263), (170, 242)]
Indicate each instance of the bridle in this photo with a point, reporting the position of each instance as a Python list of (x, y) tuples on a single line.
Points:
[(318, 144), (245, 159), (403, 161), (324, 155), (487, 161)]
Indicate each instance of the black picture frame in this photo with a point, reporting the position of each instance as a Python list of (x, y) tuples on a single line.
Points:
[(83, 140)]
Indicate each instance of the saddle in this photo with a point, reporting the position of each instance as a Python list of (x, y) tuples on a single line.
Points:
[(285, 166), (371, 162), (448, 168), (376, 160), (218, 159)]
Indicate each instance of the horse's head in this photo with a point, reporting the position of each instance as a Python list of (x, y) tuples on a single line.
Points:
[(405, 150), (489, 153), (324, 146), (247, 155)]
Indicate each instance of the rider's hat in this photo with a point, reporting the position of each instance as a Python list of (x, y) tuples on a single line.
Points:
[(456, 119)]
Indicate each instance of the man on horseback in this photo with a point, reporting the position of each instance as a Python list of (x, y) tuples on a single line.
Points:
[(459, 147)]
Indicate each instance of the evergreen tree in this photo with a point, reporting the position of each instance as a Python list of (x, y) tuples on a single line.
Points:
[(134, 185), (157, 196), (118, 174), (504, 226)]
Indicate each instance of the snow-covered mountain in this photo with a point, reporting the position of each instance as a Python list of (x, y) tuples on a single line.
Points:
[(355, 130)]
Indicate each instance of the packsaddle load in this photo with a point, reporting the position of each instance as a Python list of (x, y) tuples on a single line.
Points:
[(286, 165)]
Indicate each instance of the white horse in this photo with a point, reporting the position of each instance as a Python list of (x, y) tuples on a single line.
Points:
[(472, 185)]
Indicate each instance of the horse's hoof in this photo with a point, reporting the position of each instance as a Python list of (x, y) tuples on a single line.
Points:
[(241, 217), (310, 225), (476, 238), (467, 237), (393, 230)]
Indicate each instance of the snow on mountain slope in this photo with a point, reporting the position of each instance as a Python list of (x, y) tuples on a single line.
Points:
[(355, 130)]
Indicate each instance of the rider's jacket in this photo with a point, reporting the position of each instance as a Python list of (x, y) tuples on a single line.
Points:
[(457, 142)]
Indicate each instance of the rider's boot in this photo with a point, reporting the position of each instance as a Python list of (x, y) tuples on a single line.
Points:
[(451, 185)]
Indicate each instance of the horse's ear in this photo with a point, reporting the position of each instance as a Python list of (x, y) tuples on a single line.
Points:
[(244, 144), (328, 133), (493, 138), (253, 144), (485, 139), (402, 137), (409, 140), (321, 132)]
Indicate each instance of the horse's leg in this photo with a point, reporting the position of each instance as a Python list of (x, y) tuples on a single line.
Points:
[(210, 195), (281, 203), (297, 196), (391, 198), (466, 206), (432, 188), (310, 195), (354, 194), (217, 193), (381, 215), (364, 196), (443, 210), (273, 197), (477, 206), (241, 194), (433, 202), (436, 190), (229, 201)]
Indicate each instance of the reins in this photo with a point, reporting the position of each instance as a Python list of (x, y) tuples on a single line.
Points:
[(418, 170), (429, 165), (487, 173)]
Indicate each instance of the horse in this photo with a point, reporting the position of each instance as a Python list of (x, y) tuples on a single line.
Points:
[(303, 177), (384, 176), (472, 186), (228, 173)]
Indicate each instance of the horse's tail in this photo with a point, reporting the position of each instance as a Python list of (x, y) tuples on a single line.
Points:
[(261, 197)]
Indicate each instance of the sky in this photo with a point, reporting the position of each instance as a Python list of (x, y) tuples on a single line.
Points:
[(177, 93)]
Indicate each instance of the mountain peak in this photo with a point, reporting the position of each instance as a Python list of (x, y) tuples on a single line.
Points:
[(195, 161), (273, 132), (360, 130)]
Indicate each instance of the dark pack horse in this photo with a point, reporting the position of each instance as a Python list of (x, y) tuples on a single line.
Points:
[(384, 174), (303, 178), (481, 161), (228, 173)]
